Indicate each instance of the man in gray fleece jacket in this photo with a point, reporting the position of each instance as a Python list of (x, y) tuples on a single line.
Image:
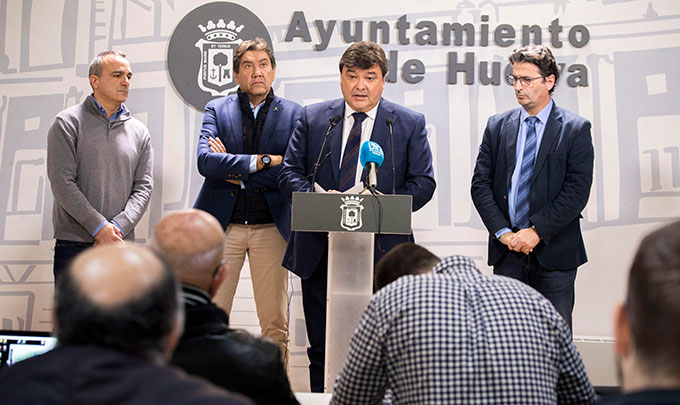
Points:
[(99, 165)]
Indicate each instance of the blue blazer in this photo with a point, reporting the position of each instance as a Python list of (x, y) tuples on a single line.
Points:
[(223, 119), (413, 167), (560, 185)]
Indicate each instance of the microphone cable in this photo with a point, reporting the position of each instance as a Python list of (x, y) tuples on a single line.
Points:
[(379, 216)]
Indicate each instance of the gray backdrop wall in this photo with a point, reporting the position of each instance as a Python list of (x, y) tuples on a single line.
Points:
[(620, 71)]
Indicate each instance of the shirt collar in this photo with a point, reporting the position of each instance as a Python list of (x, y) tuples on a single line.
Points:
[(192, 295), (457, 265), (255, 109), (121, 109), (542, 115), (371, 113)]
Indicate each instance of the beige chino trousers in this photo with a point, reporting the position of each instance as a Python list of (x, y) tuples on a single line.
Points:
[(265, 248)]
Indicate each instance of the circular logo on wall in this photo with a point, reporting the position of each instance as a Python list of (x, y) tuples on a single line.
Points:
[(201, 50)]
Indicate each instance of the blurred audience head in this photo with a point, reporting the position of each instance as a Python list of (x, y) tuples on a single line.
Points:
[(192, 243), (647, 325), (120, 297), (404, 259)]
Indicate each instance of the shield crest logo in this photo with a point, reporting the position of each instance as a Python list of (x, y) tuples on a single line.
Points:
[(352, 209), (216, 74), (200, 57)]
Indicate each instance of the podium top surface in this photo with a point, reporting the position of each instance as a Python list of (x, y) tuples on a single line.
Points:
[(334, 212)]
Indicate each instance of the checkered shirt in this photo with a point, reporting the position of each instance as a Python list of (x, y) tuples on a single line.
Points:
[(457, 336)]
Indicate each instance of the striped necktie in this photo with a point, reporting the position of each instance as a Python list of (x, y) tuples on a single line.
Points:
[(348, 167), (526, 172)]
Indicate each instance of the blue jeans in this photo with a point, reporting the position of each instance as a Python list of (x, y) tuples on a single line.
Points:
[(64, 253), (555, 285)]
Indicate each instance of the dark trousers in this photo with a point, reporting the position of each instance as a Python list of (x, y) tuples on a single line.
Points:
[(314, 306), (556, 285), (64, 252)]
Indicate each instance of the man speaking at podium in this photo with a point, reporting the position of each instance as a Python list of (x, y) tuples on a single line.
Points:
[(346, 124)]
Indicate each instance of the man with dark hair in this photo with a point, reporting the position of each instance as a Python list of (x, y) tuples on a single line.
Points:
[(406, 258), (99, 165), (364, 55), (192, 242), (646, 327), (457, 336), (361, 116), (240, 149), (117, 318), (532, 180)]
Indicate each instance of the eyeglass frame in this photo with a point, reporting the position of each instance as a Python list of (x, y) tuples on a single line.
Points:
[(523, 80), (219, 266)]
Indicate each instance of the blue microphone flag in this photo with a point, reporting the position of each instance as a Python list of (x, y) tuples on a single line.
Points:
[(371, 152)]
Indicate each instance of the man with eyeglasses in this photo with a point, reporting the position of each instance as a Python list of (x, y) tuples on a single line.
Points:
[(531, 181)]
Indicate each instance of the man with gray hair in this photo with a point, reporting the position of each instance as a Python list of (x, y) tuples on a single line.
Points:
[(99, 165), (117, 318)]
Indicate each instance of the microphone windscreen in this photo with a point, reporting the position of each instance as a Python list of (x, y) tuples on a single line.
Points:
[(371, 152), (336, 119)]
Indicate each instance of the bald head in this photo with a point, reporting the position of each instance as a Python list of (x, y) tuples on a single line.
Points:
[(118, 296), (113, 274), (192, 242)]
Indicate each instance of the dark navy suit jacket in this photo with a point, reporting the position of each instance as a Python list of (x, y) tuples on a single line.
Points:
[(413, 167), (560, 185), (223, 119)]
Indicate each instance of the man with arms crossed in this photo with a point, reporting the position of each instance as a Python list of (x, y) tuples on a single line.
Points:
[(362, 115), (99, 165), (240, 149), (532, 180)]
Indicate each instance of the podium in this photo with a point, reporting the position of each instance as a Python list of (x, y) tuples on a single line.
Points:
[(351, 221)]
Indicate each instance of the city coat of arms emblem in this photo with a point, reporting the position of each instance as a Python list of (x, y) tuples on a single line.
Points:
[(216, 74), (351, 213)]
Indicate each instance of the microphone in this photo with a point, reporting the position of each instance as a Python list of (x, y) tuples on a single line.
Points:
[(389, 123), (333, 122), (371, 157)]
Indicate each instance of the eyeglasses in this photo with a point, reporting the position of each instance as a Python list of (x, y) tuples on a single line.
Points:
[(219, 266), (523, 80)]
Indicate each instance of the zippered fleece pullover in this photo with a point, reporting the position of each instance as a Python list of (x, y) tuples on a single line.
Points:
[(99, 171)]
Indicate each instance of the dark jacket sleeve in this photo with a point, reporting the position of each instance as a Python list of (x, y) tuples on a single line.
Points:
[(482, 190)]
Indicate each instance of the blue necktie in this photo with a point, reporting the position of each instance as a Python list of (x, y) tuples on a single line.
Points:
[(348, 167), (525, 174)]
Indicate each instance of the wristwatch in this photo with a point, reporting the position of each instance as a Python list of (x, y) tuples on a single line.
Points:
[(266, 161)]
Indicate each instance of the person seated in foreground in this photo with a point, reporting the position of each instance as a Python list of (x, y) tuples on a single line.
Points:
[(405, 259), (646, 326), (455, 335), (117, 318), (192, 242)]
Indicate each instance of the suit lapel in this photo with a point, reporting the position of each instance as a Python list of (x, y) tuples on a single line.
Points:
[(335, 137), (269, 125), (509, 133), (235, 126), (381, 134), (552, 130)]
